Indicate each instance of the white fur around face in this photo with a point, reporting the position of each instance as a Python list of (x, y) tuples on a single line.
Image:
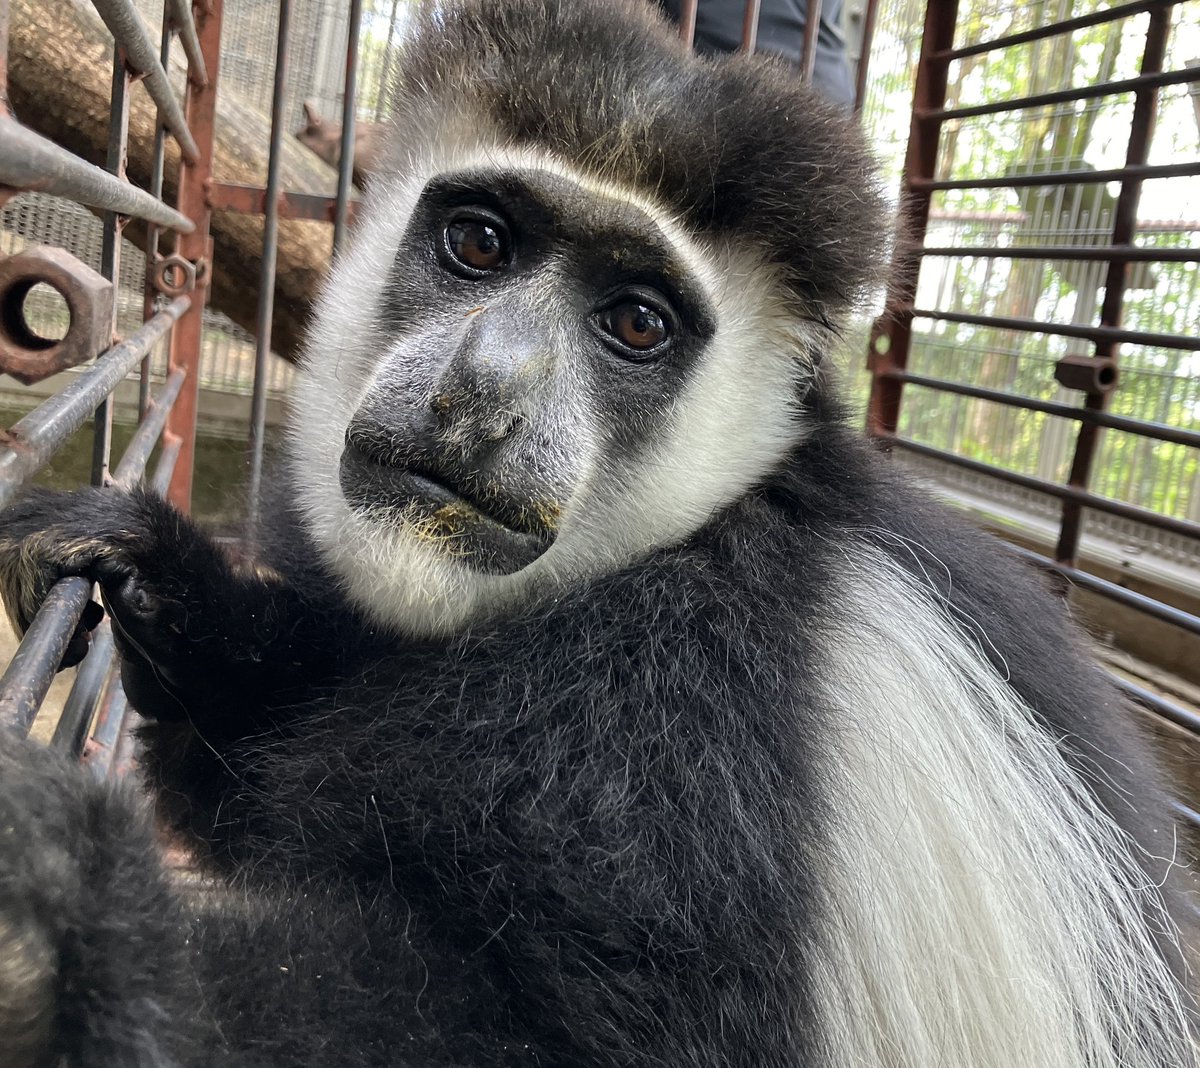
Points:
[(728, 428), (984, 911)]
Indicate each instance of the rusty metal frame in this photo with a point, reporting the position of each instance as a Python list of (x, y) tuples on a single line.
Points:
[(200, 107), (891, 335), (252, 200), (31, 162)]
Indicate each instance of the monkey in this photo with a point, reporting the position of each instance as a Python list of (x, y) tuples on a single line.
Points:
[(597, 694), (325, 139)]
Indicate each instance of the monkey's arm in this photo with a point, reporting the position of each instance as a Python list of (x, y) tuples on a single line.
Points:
[(94, 960), (200, 638), (106, 961)]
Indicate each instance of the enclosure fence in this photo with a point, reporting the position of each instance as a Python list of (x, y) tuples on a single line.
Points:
[(1102, 256)]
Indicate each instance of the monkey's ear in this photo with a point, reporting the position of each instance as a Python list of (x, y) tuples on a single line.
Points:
[(311, 115)]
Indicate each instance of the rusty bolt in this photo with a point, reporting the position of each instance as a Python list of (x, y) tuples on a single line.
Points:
[(173, 275), (89, 296), (1090, 374)]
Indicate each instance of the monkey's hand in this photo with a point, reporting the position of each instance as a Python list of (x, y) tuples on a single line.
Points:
[(199, 637), (157, 572), (104, 536)]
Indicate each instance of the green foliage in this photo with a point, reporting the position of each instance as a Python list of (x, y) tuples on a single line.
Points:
[(1157, 383)]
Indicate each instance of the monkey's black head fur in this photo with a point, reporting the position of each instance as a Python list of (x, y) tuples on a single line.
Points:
[(735, 146)]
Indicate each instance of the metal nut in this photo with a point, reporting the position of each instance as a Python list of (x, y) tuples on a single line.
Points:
[(89, 296), (173, 275)]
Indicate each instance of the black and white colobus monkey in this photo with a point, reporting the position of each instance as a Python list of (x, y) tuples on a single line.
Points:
[(599, 698)]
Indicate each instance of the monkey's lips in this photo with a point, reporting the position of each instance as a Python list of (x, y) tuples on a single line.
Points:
[(486, 532)]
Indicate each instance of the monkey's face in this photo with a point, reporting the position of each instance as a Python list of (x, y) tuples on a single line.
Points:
[(531, 339), (519, 378)]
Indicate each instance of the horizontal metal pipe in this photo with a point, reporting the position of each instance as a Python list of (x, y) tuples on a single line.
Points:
[(1053, 29), (1175, 616), (1051, 489), (133, 462), (181, 19), (33, 440), (1135, 173), (1103, 253), (167, 459), (130, 33), (31, 163), (1169, 710), (30, 673), (251, 200), (1088, 333), (1158, 431), (1063, 96), (80, 706)]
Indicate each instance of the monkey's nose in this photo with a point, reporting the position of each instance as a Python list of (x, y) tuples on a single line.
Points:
[(471, 422)]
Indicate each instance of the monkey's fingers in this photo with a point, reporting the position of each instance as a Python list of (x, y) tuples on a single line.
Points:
[(80, 641)]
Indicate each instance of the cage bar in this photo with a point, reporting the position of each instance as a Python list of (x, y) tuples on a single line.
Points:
[(1114, 592), (184, 350), (1057, 28), (1141, 132), (687, 21), (808, 47), (750, 26), (133, 461), (1128, 253), (132, 37), (1052, 489), (178, 16), (31, 163), (110, 247), (34, 439), (25, 682), (1087, 333), (1140, 173), (1066, 96), (266, 279), (70, 731), (346, 161), (1158, 431)]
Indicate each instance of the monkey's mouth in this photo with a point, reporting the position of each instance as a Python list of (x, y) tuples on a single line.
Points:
[(483, 528)]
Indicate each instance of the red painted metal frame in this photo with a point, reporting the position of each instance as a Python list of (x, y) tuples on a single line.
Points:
[(252, 200), (1124, 225), (891, 336), (200, 107)]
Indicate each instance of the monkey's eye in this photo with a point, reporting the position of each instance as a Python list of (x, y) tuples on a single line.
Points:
[(640, 330), (477, 242)]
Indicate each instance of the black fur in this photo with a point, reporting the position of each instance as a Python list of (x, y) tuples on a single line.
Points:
[(581, 835), (585, 833)]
